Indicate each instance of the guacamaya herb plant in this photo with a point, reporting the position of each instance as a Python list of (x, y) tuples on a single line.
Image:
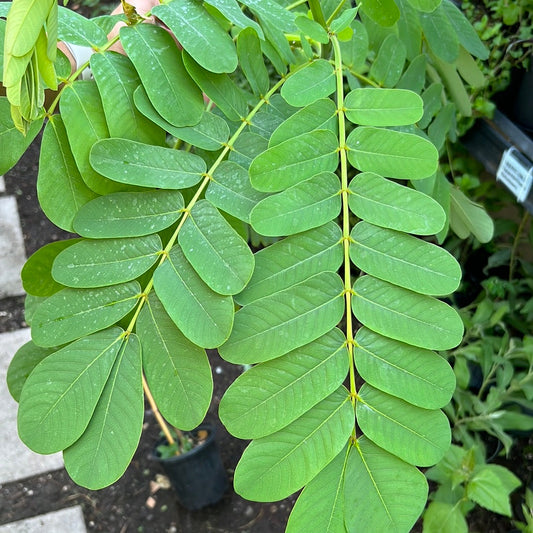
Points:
[(321, 135)]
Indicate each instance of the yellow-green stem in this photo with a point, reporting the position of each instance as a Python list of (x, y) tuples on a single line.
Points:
[(345, 211)]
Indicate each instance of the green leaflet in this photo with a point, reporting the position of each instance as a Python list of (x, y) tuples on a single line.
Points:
[(76, 29), (409, 29), (426, 6), (83, 114), (36, 273), (320, 506), (216, 251), (269, 10), (54, 412), (144, 165), (117, 80), (383, 107), (466, 33), (468, 217), (455, 86), (274, 325), (418, 436), (404, 260), (72, 313), (159, 63), (432, 98), (294, 160), (60, 187), (391, 153), (26, 358), (406, 316), (416, 375), (384, 12), (469, 69), (219, 88), (443, 125), (440, 34), (199, 34), (312, 82), (293, 260), (271, 116), (387, 68), (177, 371), (246, 147), (320, 115), (13, 143), (251, 61), (98, 458), (445, 517), (312, 29), (209, 134), (306, 205), (310, 373), (232, 11), (129, 214), (230, 190), (26, 19), (202, 315), (273, 467), (390, 494), (490, 487), (355, 51), (102, 262), (414, 76), (342, 22)]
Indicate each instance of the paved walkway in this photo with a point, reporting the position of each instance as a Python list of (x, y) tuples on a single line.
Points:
[(16, 461)]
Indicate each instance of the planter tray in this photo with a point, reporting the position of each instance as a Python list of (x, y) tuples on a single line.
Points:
[(505, 151)]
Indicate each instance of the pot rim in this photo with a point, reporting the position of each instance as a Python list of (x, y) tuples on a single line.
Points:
[(211, 430)]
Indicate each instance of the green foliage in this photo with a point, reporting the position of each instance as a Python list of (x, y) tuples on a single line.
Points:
[(337, 189)]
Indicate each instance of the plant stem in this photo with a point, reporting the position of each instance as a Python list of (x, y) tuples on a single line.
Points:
[(318, 16), (516, 242), (160, 420), (345, 212)]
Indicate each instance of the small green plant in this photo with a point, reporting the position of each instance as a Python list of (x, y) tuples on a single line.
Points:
[(322, 133), (466, 480), (527, 511), (183, 443)]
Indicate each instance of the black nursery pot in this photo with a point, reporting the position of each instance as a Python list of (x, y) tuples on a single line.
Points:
[(198, 476)]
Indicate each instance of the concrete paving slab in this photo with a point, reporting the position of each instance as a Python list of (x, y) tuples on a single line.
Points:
[(12, 256), (68, 520), (2, 184), (16, 460)]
